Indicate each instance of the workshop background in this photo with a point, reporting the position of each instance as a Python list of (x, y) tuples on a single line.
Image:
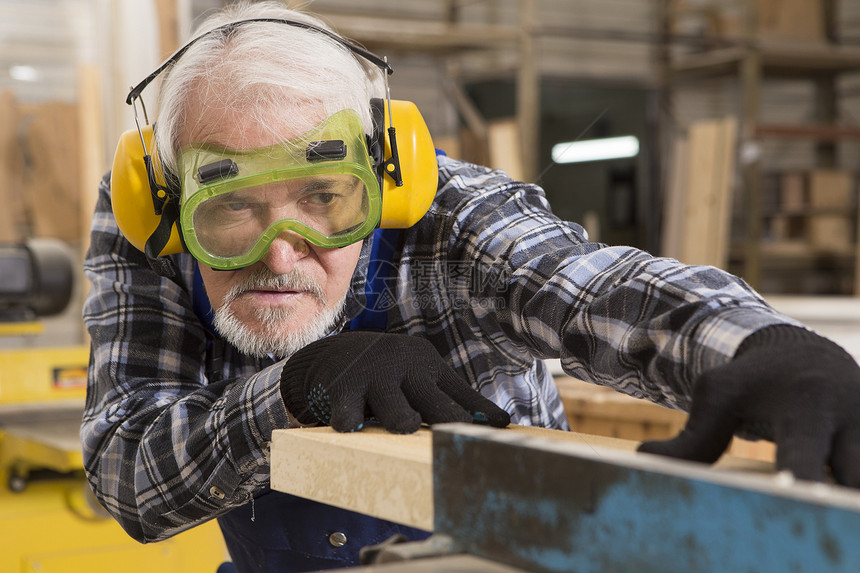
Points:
[(746, 119)]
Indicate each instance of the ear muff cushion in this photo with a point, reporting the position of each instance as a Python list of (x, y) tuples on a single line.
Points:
[(131, 195), (403, 206)]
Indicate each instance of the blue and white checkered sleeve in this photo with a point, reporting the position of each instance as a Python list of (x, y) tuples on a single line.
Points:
[(616, 316), (163, 448)]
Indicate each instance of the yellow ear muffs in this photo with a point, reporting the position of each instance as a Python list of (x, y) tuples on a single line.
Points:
[(403, 206), (134, 199)]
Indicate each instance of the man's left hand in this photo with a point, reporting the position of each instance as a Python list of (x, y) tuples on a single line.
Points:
[(785, 384)]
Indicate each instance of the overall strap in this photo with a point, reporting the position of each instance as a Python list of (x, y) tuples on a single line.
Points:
[(200, 300), (378, 297)]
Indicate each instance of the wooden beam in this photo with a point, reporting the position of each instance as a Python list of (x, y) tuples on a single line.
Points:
[(856, 260), (821, 132), (421, 35), (781, 59), (504, 138), (12, 213), (168, 27), (528, 92), (699, 202), (52, 181), (373, 472), (466, 107), (390, 476), (674, 208), (750, 80), (93, 155)]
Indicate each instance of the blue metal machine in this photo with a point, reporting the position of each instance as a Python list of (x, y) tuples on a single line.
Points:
[(513, 502), (550, 506)]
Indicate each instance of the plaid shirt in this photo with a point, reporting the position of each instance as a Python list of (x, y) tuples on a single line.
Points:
[(177, 423)]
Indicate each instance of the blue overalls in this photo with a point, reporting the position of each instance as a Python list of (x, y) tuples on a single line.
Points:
[(289, 533), (282, 533)]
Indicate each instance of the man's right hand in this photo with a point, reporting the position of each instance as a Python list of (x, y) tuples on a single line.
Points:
[(400, 380)]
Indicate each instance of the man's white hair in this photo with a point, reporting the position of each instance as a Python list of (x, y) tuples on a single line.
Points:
[(259, 67)]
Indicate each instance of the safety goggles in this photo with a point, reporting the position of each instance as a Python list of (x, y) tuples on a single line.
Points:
[(320, 185)]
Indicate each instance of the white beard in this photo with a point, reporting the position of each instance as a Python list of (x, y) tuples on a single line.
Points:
[(272, 341)]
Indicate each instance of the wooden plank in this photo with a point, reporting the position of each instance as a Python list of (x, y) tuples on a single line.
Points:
[(725, 151), (168, 27), (819, 132), (420, 35), (831, 188), (528, 93), (55, 445), (52, 177), (449, 144), (93, 157), (11, 166), (832, 234), (390, 476), (707, 205), (792, 193), (673, 220), (777, 58), (473, 148), (504, 142), (603, 411), (857, 251), (831, 197), (372, 471), (780, 20), (800, 20), (698, 211), (592, 401)]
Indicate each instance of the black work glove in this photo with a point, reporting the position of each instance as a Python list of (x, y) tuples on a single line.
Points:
[(400, 380), (785, 384)]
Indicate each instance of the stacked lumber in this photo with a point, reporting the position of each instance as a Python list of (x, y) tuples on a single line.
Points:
[(40, 170), (698, 205)]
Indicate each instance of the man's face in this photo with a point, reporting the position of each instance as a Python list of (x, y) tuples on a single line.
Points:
[(295, 293)]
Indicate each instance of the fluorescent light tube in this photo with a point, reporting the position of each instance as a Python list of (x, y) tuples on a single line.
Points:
[(24, 73), (595, 149)]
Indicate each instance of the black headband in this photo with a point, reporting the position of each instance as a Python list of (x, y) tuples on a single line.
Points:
[(369, 56)]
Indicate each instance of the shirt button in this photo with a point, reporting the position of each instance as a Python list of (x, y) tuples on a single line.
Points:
[(217, 492), (337, 539)]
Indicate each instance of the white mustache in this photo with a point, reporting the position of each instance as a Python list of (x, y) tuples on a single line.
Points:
[(264, 279)]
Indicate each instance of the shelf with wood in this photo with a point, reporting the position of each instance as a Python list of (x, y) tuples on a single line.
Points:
[(778, 41), (776, 59)]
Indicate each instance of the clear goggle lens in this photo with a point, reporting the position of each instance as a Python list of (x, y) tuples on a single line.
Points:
[(326, 210), (320, 185)]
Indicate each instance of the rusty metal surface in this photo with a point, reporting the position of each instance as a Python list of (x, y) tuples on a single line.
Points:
[(549, 506)]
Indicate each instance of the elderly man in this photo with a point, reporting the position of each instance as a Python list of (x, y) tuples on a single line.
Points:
[(244, 307)]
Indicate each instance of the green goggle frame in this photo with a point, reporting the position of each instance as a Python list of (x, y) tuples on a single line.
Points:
[(209, 174)]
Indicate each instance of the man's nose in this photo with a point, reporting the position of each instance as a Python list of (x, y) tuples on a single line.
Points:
[(285, 251)]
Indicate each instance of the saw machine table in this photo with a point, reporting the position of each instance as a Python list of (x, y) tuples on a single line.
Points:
[(547, 501)]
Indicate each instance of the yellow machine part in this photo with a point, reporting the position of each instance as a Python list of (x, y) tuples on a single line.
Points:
[(21, 328), (43, 375), (49, 519), (54, 526), (25, 449)]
